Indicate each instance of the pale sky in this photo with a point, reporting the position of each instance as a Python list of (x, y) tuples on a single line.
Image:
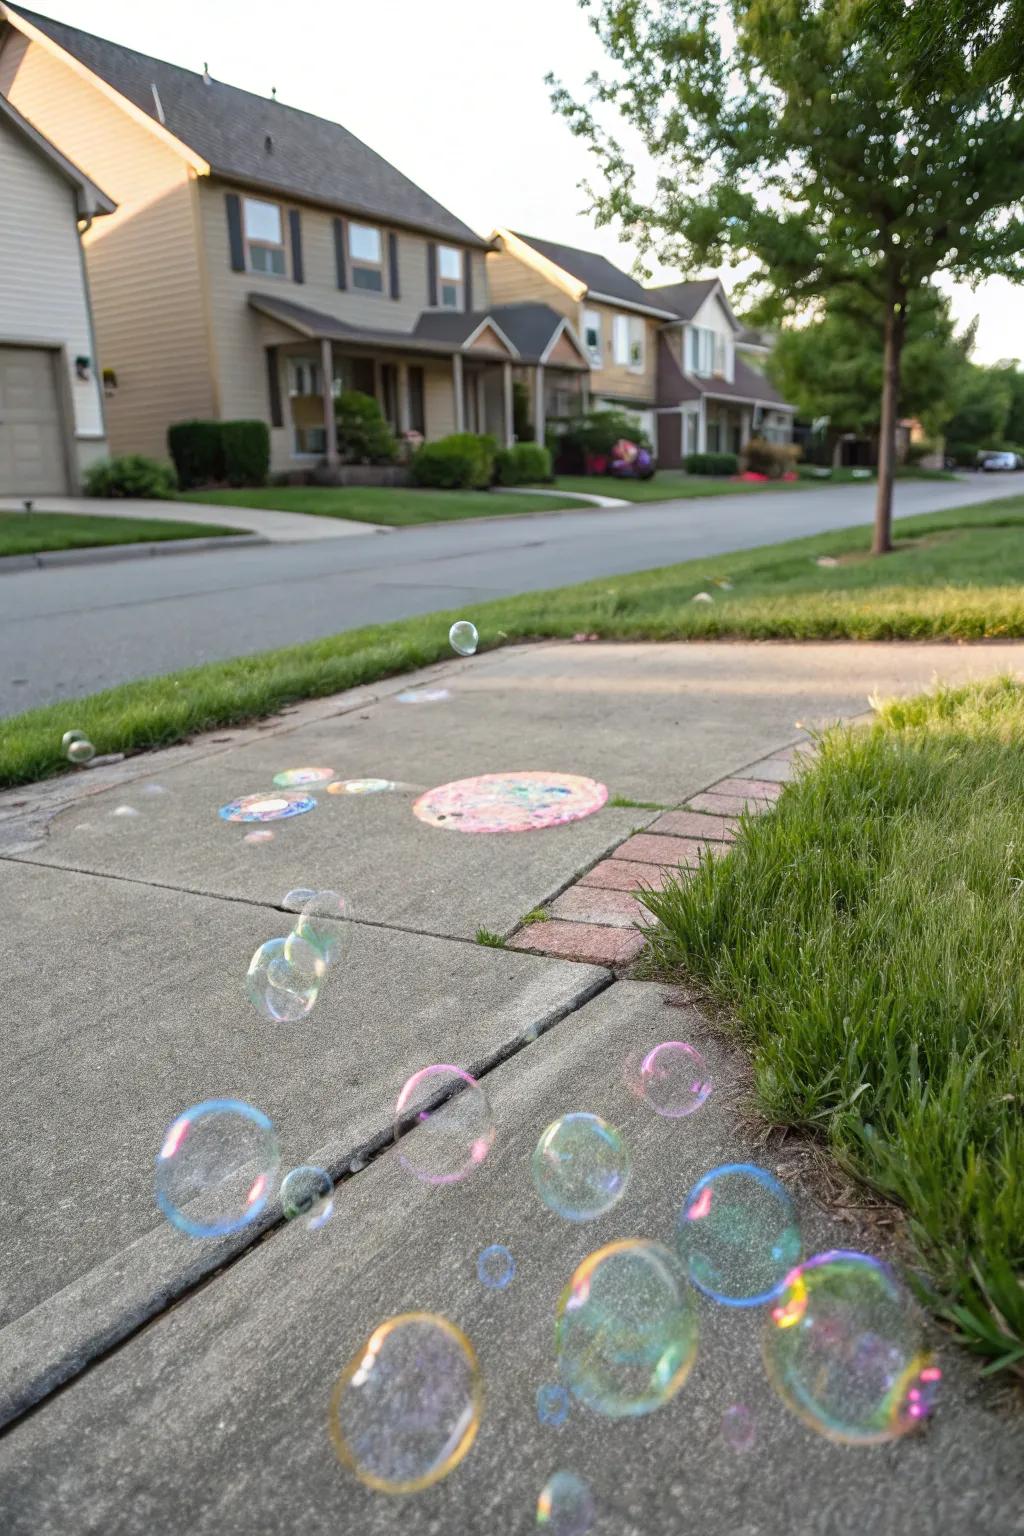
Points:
[(451, 91)]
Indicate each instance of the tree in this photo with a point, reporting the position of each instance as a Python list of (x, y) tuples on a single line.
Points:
[(981, 418), (1013, 430), (949, 41), (779, 139)]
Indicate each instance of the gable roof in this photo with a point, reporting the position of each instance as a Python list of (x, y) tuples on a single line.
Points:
[(90, 200), (684, 299), (533, 328), (311, 158), (599, 276)]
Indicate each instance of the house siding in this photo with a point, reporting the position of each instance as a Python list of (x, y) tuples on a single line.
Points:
[(615, 379), (142, 260), (512, 281)]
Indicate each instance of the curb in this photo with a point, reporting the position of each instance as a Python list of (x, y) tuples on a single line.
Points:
[(100, 554)]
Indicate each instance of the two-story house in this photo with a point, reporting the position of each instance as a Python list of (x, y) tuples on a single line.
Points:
[(261, 259)]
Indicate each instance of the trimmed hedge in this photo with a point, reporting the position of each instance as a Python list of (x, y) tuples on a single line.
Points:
[(462, 462), (246, 452), (711, 464), (131, 475), (210, 452), (521, 464)]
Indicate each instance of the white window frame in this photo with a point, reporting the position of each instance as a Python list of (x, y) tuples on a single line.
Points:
[(257, 242), (592, 322), (637, 345), (701, 351), (620, 340), (362, 263), (298, 368), (458, 284)]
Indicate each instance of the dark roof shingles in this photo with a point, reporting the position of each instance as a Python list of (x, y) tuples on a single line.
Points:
[(597, 272), (684, 299)]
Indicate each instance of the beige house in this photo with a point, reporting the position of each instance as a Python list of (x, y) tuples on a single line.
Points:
[(261, 260), (51, 400)]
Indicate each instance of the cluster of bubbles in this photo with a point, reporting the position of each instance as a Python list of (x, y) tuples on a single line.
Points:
[(285, 974), (77, 748)]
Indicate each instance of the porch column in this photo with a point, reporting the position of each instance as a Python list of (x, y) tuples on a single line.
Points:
[(460, 404), (326, 382), (539, 420), (506, 397), (584, 394), (404, 413), (702, 426), (481, 404)]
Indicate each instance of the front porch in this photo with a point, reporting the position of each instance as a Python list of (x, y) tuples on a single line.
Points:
[(717, 425)]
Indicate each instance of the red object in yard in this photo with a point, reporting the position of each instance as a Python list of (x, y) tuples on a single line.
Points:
[(752, 477), (597, 464), (791, 474)]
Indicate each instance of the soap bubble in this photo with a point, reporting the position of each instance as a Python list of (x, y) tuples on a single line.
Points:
[(845, 1351), (673, 1079), (626, 1331), (126, 812), (565, 1506), (291, 778), (69, 737), (552, 1404), (361, 786), (216, 1168), (284, 985), (738, 1235), (81, 750), (406, 1408), (580, 1167), (495, 1267), (308, 1192), (294, 901), (443, 1125), (324, 925), (261, 835), (738, 1428), (463, 637)]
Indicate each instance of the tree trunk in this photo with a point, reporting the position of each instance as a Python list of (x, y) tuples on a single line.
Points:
[(895, 328)]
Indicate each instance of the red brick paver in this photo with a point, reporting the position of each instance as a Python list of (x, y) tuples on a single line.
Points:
[(645, 848), (587, 942), (726, 805), (621, 875), (688, 824), (754, 789), (588, 904)]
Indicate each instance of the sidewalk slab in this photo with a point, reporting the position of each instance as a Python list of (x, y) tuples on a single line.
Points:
[(275, 527), (213, 1419)]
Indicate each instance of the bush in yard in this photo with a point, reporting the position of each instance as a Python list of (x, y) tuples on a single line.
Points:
[(462, 462), (522, 426), (246, 446), (964, 455), (197, 449), (711, 464), (521, 464), (364, 436), (772, 459), (595, 434), (131, 475)]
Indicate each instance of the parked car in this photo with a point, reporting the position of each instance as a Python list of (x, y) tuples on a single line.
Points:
[(992, 461)]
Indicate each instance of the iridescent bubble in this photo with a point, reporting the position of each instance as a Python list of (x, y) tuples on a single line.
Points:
[(324, 924), (495, 1267), (738, 1427), (308, 1192), (463, 637), (261, 835), (552, 1404), (216, 1168), (81, 750), (443, 1125), (626, 1331), (126, 812), (291, 778), (69, 737), (406, 1408), (283, 988), (673, 1079), (565, 1506), (580, 1167), (738, 1235), (361, 786), (845, 1351), (294, 901)]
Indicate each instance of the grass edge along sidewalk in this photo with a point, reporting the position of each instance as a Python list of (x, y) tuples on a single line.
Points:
[(867, 938), (958, 575), (37, 533)]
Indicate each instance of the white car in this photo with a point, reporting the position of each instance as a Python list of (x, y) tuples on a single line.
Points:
[(1000, 461)]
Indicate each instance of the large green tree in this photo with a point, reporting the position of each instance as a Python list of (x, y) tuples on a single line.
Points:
[(982, 415), (780, 138), (948, 42)]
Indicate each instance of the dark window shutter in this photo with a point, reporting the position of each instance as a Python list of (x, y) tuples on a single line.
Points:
[(432, 275), (274, 388), (235, 243), (393, 265), (339, 252), (295, 230), (467, 260)]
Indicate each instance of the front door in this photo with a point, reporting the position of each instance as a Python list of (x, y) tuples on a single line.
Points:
[(32, 461)]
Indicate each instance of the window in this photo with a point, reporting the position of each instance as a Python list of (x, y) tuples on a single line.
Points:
[(366, 255), (690, 430), (450, 280), (264, 237), (720, 345), (636, 346), (620, 339), (303, 376), (592, 336)]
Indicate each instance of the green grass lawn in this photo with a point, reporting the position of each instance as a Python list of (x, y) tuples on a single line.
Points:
[(674, 485), (34, 532), (868, 937), (394, 508), (955, 575)]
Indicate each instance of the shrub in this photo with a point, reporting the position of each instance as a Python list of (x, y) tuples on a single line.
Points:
[(711, 464), (246, 446), (964, 455), (197, 449), (131, 475), (771, 459), (521, 464), (596, 433), (461, 462), (364, 437), (522, 426)]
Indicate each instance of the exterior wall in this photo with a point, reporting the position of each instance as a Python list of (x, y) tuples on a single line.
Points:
[(617, 379), (512, 281), (43, 296), (142, 260), (754, 357), (712, 316)]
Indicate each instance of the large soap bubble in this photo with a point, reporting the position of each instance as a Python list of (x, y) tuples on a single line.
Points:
[(406, 1408), (580, 1167), (323, 924), (845, 1351), (443, 1124), (672, 1078), (565, 1506), (77, 747), (738, 1235), (463, 637), (283, 980), (308, 1192), (216, 1168), (626, 1333)]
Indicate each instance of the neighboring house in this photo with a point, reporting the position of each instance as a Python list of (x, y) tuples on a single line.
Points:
[(51, 398), (261, 259), (612, 319), (710, 398)]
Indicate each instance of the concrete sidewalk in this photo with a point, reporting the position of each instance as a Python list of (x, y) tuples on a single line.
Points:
[(275, 527), (128, 940)]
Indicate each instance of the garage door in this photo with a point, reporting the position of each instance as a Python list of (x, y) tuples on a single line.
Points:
[(31, 431)]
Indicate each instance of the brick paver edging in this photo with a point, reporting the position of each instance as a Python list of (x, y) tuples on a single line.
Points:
[(598, 919)]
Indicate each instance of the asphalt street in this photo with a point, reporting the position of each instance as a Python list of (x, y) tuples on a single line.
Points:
[(69, 631)]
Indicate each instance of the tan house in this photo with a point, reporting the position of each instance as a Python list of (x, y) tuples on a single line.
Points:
[(51, 400), (261, 259)]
